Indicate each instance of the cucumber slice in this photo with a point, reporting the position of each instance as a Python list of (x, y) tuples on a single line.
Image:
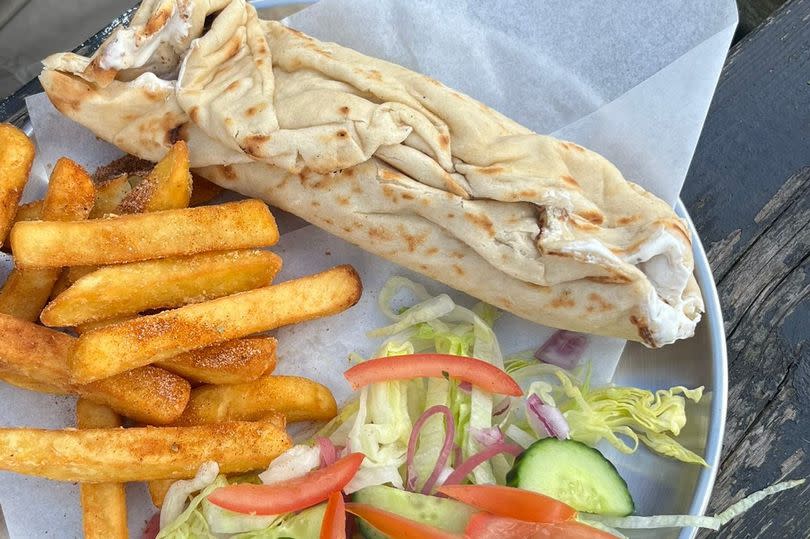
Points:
[(574, 473), (307, 523), (442, 513)]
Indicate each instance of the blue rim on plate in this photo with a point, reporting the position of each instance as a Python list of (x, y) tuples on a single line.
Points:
[(13, 110)]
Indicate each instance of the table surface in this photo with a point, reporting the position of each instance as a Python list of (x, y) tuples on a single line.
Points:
[(748, 192)]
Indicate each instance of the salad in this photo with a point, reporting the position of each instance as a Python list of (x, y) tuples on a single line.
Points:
[(446, 438)]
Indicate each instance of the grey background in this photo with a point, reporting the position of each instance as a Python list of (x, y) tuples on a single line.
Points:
[(33, 29)]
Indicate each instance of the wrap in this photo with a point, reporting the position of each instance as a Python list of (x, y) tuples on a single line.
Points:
[(392, 161)]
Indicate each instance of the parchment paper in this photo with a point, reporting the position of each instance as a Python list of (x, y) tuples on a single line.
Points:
[(632, 80)]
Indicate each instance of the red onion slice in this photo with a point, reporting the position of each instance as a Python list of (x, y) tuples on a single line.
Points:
[(465, 468), (488, 436), (328, 451), (351, 523), (444, 453), (502, 407), (564, 349), (544, 419), (466, 387), (152, 527)]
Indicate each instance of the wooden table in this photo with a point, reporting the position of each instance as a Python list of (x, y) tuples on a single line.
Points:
[(748, 191)]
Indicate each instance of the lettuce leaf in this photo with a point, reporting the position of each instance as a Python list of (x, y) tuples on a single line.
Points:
[(433, 324), (294, 462), (433, 432), (381, 429), (224, 522), (306, 523), (180, 491), (696, 521), (623, 416), (191, 523)]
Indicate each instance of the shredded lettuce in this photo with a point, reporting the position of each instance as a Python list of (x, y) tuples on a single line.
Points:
[(295, 462), (202, 519), (180, 491), (485, 347), (429, 309), (191, 523), (431, 437), (371, 474), (381, 430), (386, 411), (520, 436), (306, 523), (681, 521), (222, 521), (339, 427), (624, 416), (392, 288)]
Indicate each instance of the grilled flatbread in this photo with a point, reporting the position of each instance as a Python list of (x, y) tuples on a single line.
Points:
[(392, 161)]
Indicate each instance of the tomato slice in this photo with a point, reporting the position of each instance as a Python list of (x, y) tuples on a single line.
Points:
[(395, 526), (467, 369), (291, 495), (334, 520), (487, 526), (511, 502)]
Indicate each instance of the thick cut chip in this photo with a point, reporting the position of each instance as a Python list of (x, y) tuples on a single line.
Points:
[(77, 272), (16, 157), (232, 362), (24, 382), (140, 454), (148, 394), (299, 399), (30, 211), (104, 505), (35, 357), (167, 187), (125, 289), (148, 339), (164, 188), (109, 195), (62, 283), (159, 487), (148, 236), (90, 326), (70, 197)]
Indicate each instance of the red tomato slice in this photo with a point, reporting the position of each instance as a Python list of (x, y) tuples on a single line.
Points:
[(487, 526), (290, 495), (511, 502), (467, 369), (334, 520), (395, 526)]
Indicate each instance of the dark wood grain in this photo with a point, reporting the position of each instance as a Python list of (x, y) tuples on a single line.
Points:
[(754, 12), (748, 192)]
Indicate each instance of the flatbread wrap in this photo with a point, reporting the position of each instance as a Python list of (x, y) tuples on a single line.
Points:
[(392, 161)]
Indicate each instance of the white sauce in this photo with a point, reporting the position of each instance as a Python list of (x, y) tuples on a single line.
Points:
[(127, 48)]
